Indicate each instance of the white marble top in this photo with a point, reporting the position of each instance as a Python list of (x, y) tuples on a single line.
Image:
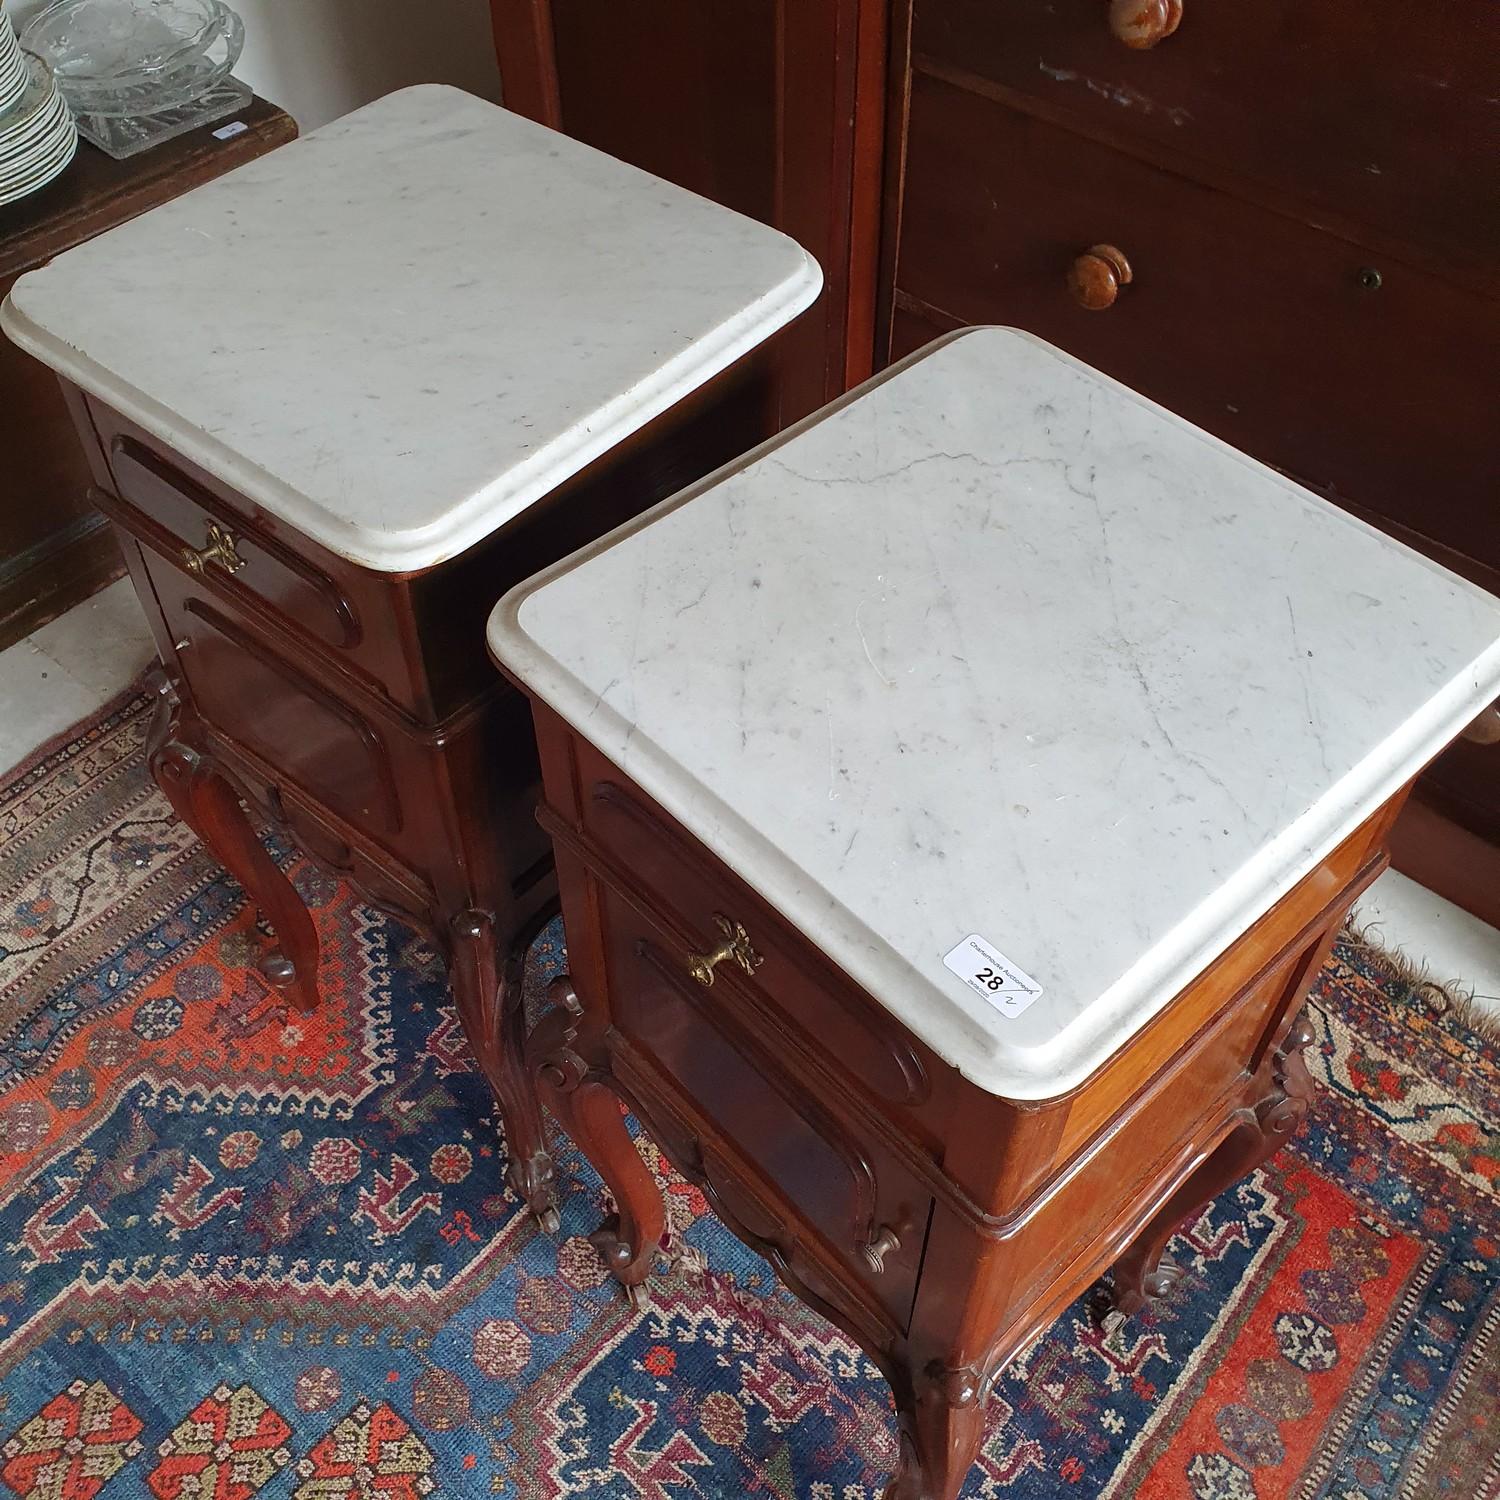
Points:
[(401, 330), (999, 647)]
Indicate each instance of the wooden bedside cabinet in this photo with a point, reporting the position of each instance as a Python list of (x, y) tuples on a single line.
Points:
[(934, 893), (327, 401)]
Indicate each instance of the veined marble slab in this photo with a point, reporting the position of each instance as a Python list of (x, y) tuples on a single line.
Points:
[(401, 330), (999, 647)]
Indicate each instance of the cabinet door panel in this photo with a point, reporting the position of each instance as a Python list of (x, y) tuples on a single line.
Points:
[(249, 693), (326, 747), (772, 1133)]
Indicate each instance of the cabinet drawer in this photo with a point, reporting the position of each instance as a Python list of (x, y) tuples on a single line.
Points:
[(773, 1143), (247, 691), (829, 1015), (1264, 331), (350, 617), (330, 749), (1362, 110), (248, 565)]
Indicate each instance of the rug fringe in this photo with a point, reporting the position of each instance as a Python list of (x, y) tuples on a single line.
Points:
[(1443, 998)]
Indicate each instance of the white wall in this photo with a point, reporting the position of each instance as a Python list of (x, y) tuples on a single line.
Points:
[(319, 59)]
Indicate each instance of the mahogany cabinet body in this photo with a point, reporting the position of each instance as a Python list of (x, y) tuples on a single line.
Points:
[(1303, 196), (54, 548), (359, 711), (939, 1225)]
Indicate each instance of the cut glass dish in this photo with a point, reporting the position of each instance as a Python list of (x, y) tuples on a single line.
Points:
[(129, 58)]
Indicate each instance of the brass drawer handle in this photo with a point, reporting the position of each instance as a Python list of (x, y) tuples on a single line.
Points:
[(736, 945), (219, 548), (884, 1243), (1096, 276), (1143, 23)]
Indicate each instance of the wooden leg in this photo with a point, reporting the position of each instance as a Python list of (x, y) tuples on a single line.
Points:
[(573, 1071), (1281, 1093), (202, 798), (942, 1423), (490, 1007)]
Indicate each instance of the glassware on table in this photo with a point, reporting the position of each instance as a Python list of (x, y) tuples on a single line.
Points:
[(137, 72)]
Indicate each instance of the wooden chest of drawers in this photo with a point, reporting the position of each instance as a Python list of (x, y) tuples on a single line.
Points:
[(1311, 280), (1358, 116), (1306, 208), (1267, 331)]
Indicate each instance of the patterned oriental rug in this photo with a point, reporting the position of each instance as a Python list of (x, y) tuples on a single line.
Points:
[(244, 1252)]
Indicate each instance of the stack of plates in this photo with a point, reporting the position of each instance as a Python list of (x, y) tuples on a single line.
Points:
[(37, 135), (13, 74)]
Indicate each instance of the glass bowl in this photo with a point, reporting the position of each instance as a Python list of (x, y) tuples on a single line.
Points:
[(124, 58)]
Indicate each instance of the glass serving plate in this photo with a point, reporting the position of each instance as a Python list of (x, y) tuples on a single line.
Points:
[(131, 58)]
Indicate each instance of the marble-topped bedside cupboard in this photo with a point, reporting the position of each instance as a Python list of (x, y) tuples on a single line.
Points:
[(329, 400), (954, 801)]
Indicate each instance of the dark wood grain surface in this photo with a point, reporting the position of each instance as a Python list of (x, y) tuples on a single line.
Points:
[(1360, 116), (1266, 331)]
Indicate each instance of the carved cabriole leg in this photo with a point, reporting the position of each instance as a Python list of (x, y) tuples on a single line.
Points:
[(572, 1067), (1281, 1092), (202, 798), (942, 1423), (490, 1007)]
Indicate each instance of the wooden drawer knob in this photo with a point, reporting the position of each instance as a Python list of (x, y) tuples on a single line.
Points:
[(1097, 276), (1143, 23), (1485, 730)]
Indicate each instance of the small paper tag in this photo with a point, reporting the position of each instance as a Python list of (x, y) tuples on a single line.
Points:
[(985, 969), (233, 128)]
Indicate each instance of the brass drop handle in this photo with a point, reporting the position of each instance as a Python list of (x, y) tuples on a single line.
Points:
[(1096, 277), (219, 548), (1143, 23), (884, 1243), (736, 945)]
